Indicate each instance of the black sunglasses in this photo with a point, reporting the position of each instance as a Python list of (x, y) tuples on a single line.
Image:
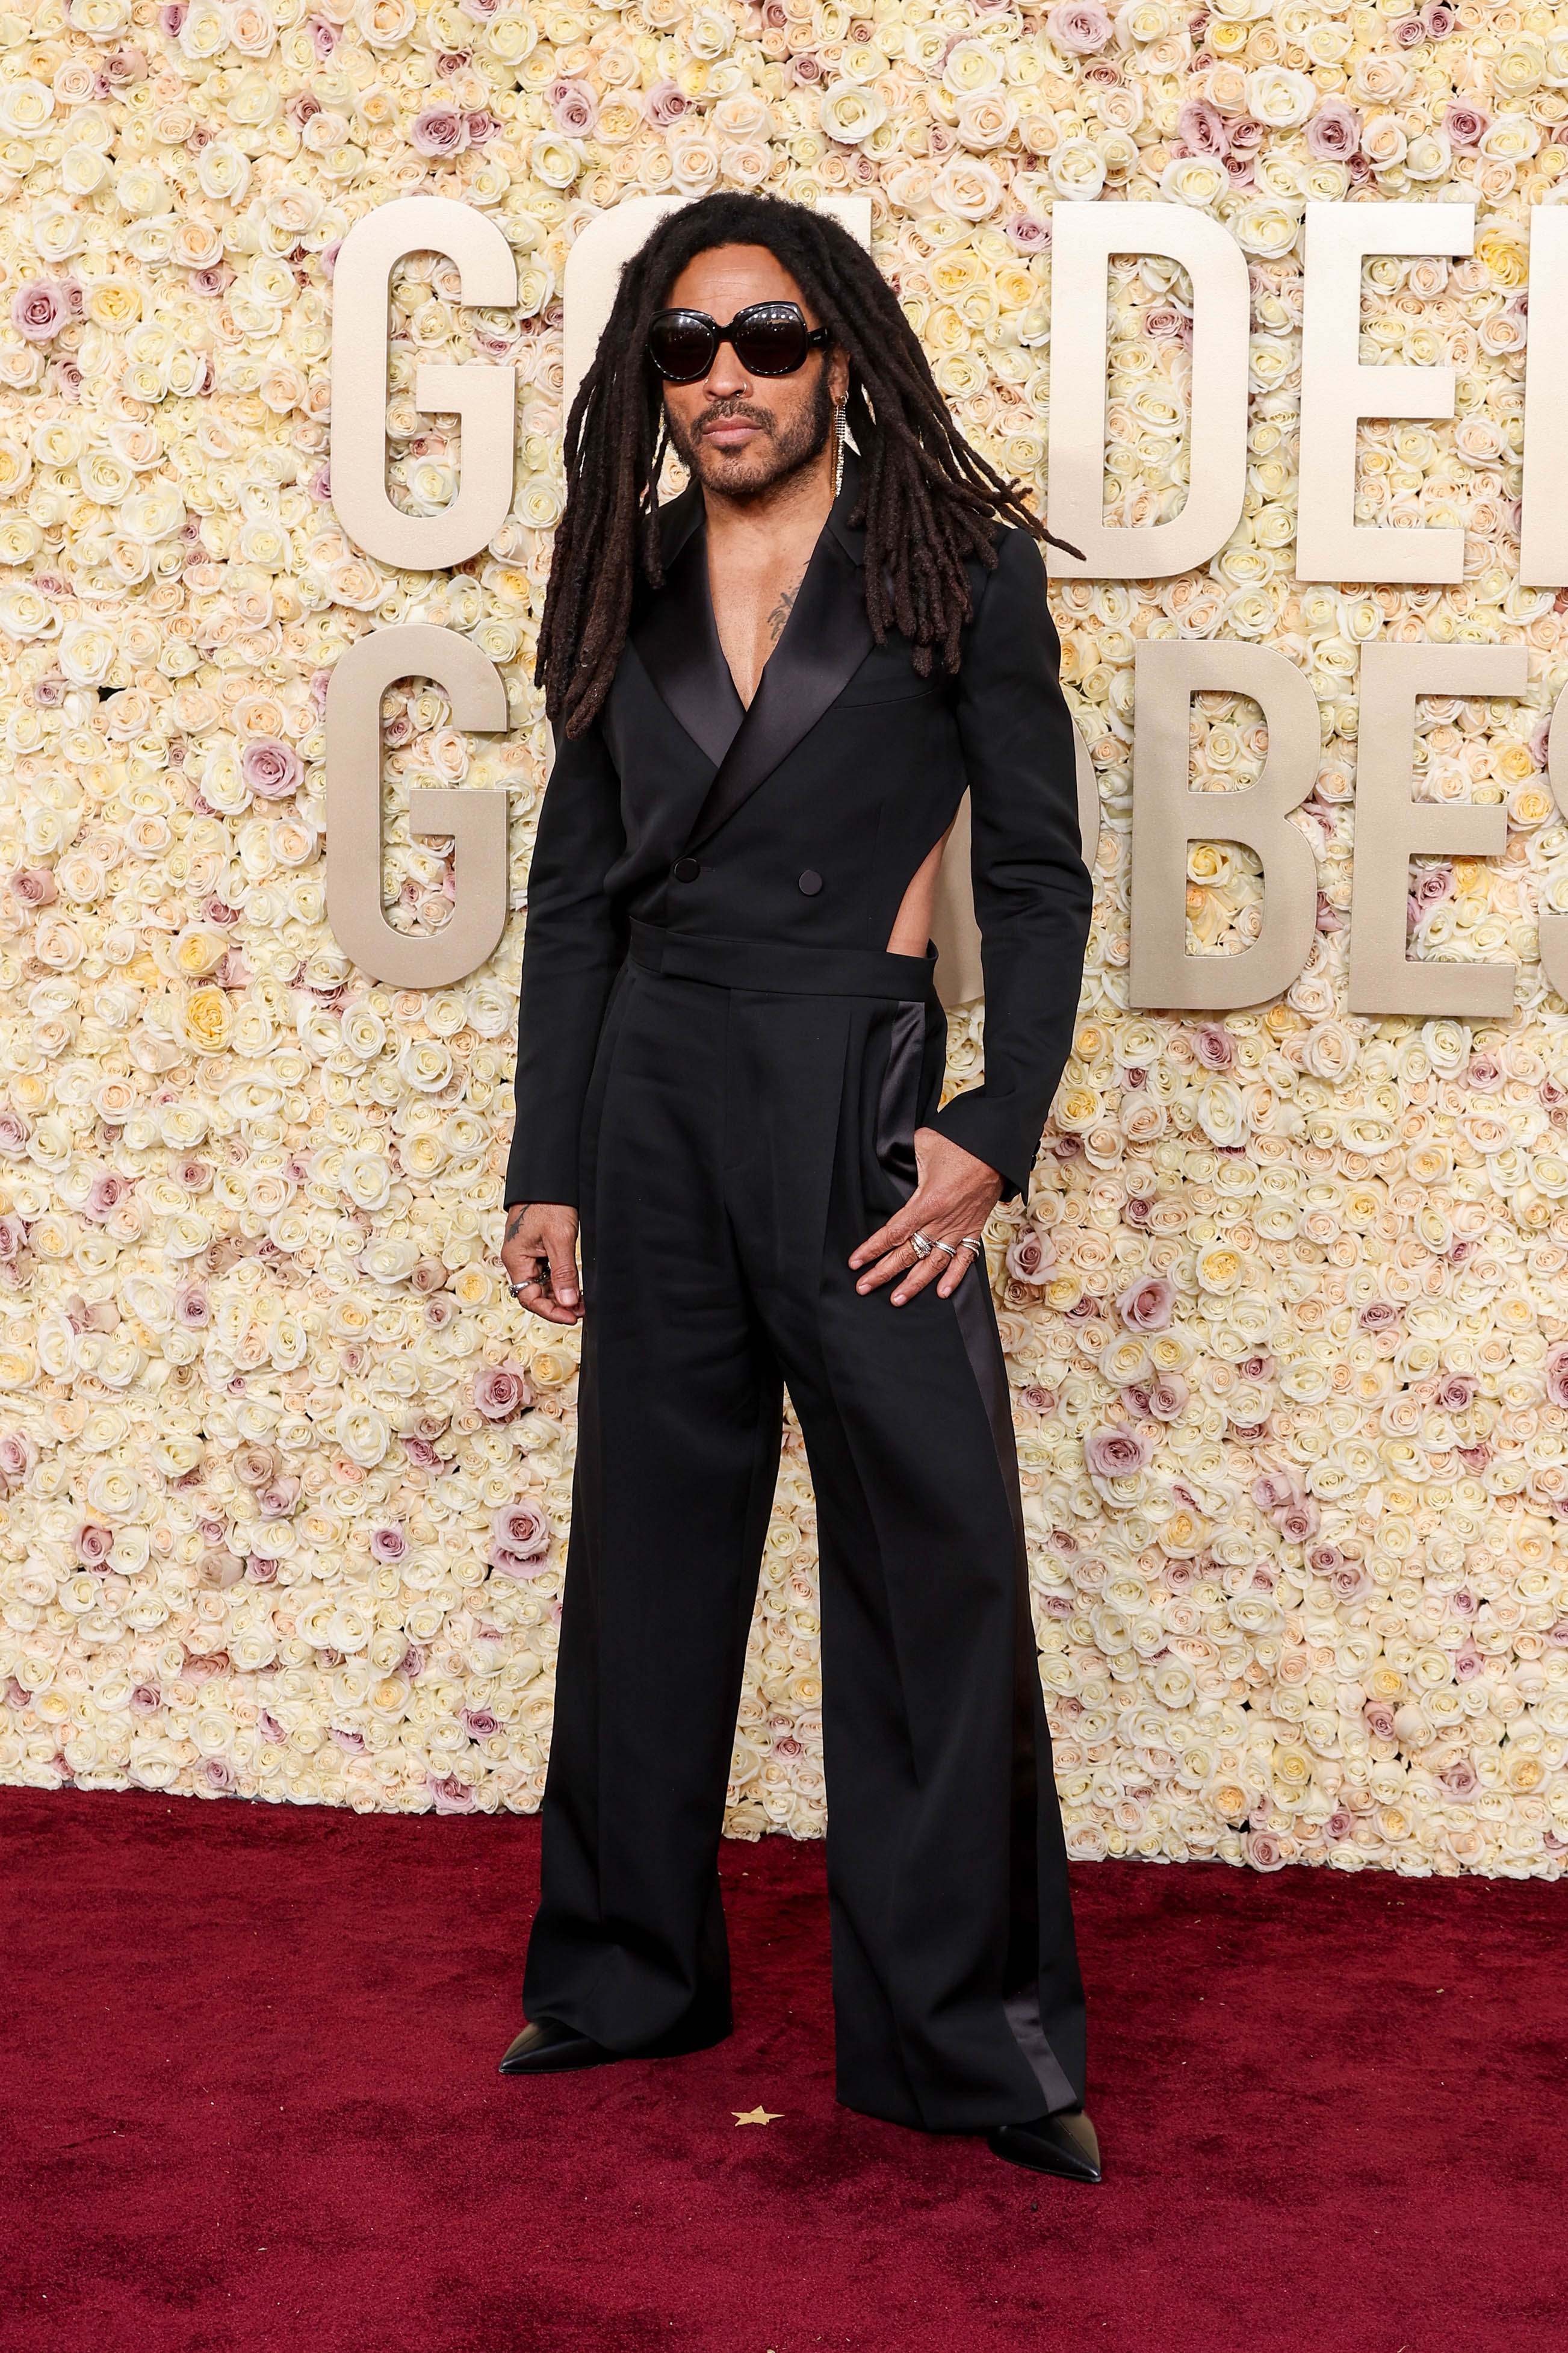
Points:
[(767, 338)]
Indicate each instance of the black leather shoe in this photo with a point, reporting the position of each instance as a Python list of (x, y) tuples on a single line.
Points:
[(1063, 2144), (544, 2048)]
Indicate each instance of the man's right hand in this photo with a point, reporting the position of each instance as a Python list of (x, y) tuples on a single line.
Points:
[(539, 1255)]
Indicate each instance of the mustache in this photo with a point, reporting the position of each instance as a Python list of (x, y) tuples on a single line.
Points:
[(761, 418)]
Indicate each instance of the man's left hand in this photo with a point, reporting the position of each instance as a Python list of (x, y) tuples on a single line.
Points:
[(954, 1195)]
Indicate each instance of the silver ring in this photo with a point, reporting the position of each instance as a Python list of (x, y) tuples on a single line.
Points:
[(920, 1246), (951, 1248), (971, 1242)]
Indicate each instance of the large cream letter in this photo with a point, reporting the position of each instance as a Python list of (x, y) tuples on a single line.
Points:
[(1167, 815), (475, 820), (484, 397), (1083, 239), (1337, 392), (1544, 529), (1554, 926), (1391, 828)]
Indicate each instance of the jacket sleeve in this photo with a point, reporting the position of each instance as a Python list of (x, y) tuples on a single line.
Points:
[(1033, 896), (572, 949)]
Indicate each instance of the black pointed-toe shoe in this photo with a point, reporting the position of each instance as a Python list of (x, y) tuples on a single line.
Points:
[(1064, 2144), (544, 2048)]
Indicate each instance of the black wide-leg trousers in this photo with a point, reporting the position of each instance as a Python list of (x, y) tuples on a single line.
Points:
[(749, 1123)]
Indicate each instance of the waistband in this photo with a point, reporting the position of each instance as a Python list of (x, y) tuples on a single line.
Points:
[(781, 967)]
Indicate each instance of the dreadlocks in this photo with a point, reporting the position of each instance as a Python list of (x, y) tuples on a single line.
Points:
[(927, 500)]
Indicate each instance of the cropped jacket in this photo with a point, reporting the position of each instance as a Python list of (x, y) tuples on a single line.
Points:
[(803, 820)]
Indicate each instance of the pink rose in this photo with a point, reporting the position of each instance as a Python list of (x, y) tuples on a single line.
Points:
[(39, 309), (146, 1700), (1200, 129), (1378, 1717), (451, 1796), (1263, 1851), (1333, 133), (14, 1130), (1078, 27), (93, 1545), (1439, 20), (1409, 32), (33, 885), (18, 1456), (479, 1724), (1456, 1392), (501, 1390), (1030, 1256), (13, 1239), (389, 1544), (520, 1540), (1466, 125), (421, 1454), (1212, 1045), (216, 1774), (278, 1499), (104, 1195), (191, 1308), (1459, 1778), (220, 1568), (1148, 1304), (574, 107), (1115, 1452), (1273, 1488), (1350, 1583), (272, 770), (253, 1466), (439, 132), (1378, 1315), (663, 106), (1030, 232), (1297, 1519), (1168, 1395)]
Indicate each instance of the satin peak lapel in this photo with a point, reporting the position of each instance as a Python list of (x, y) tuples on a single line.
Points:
[(824, 641), (677, 637)]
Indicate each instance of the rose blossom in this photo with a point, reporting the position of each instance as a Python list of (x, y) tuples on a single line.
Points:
[(1378, 1717), (13, 1239), (450, 1795), (1297, 1519), (1200, 129), (104, 1195), (1078, 27), (1333, 134), (17, 1455), (1212, 1045), (33, 885), (479, 1724), (520, 1539), (1117, 1453), (388, 1543), (93, 1545), (663, 106), (272, 770), (1466, 125), (191, 1309), (574, 107), (501, 1390), (1148, 1304), (1168, 1394), (1273, 1489), (1456, 1392), (438, 132), (39, 309), (1030, 1256)]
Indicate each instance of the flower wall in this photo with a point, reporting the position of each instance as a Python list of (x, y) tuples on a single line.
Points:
[(286, 1475)]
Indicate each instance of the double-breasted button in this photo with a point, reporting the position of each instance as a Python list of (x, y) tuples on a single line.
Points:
[(811, 883), (686, 869)]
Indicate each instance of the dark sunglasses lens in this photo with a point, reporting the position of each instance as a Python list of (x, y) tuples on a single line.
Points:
[(681, 346), (772, 341)]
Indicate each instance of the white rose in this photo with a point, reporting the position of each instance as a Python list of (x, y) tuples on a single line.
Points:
[(849, 112)]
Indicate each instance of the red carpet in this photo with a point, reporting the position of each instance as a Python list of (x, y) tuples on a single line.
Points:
[(250, 2102)]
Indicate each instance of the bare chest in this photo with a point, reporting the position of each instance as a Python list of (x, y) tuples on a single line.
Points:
[(752, 602)]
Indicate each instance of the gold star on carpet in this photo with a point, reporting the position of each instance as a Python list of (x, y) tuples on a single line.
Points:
[(755, 2116)]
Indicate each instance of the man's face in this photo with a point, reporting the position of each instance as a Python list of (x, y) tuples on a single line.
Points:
[(740, 434)]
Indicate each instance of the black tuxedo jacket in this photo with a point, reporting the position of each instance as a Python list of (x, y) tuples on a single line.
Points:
[(803, 818)]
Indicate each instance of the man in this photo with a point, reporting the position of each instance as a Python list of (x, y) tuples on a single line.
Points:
[(769, 696)]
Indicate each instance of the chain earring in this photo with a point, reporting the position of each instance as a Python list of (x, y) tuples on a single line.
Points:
[(838, 452)]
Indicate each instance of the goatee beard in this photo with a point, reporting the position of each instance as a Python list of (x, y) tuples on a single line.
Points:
[(799, 445)]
